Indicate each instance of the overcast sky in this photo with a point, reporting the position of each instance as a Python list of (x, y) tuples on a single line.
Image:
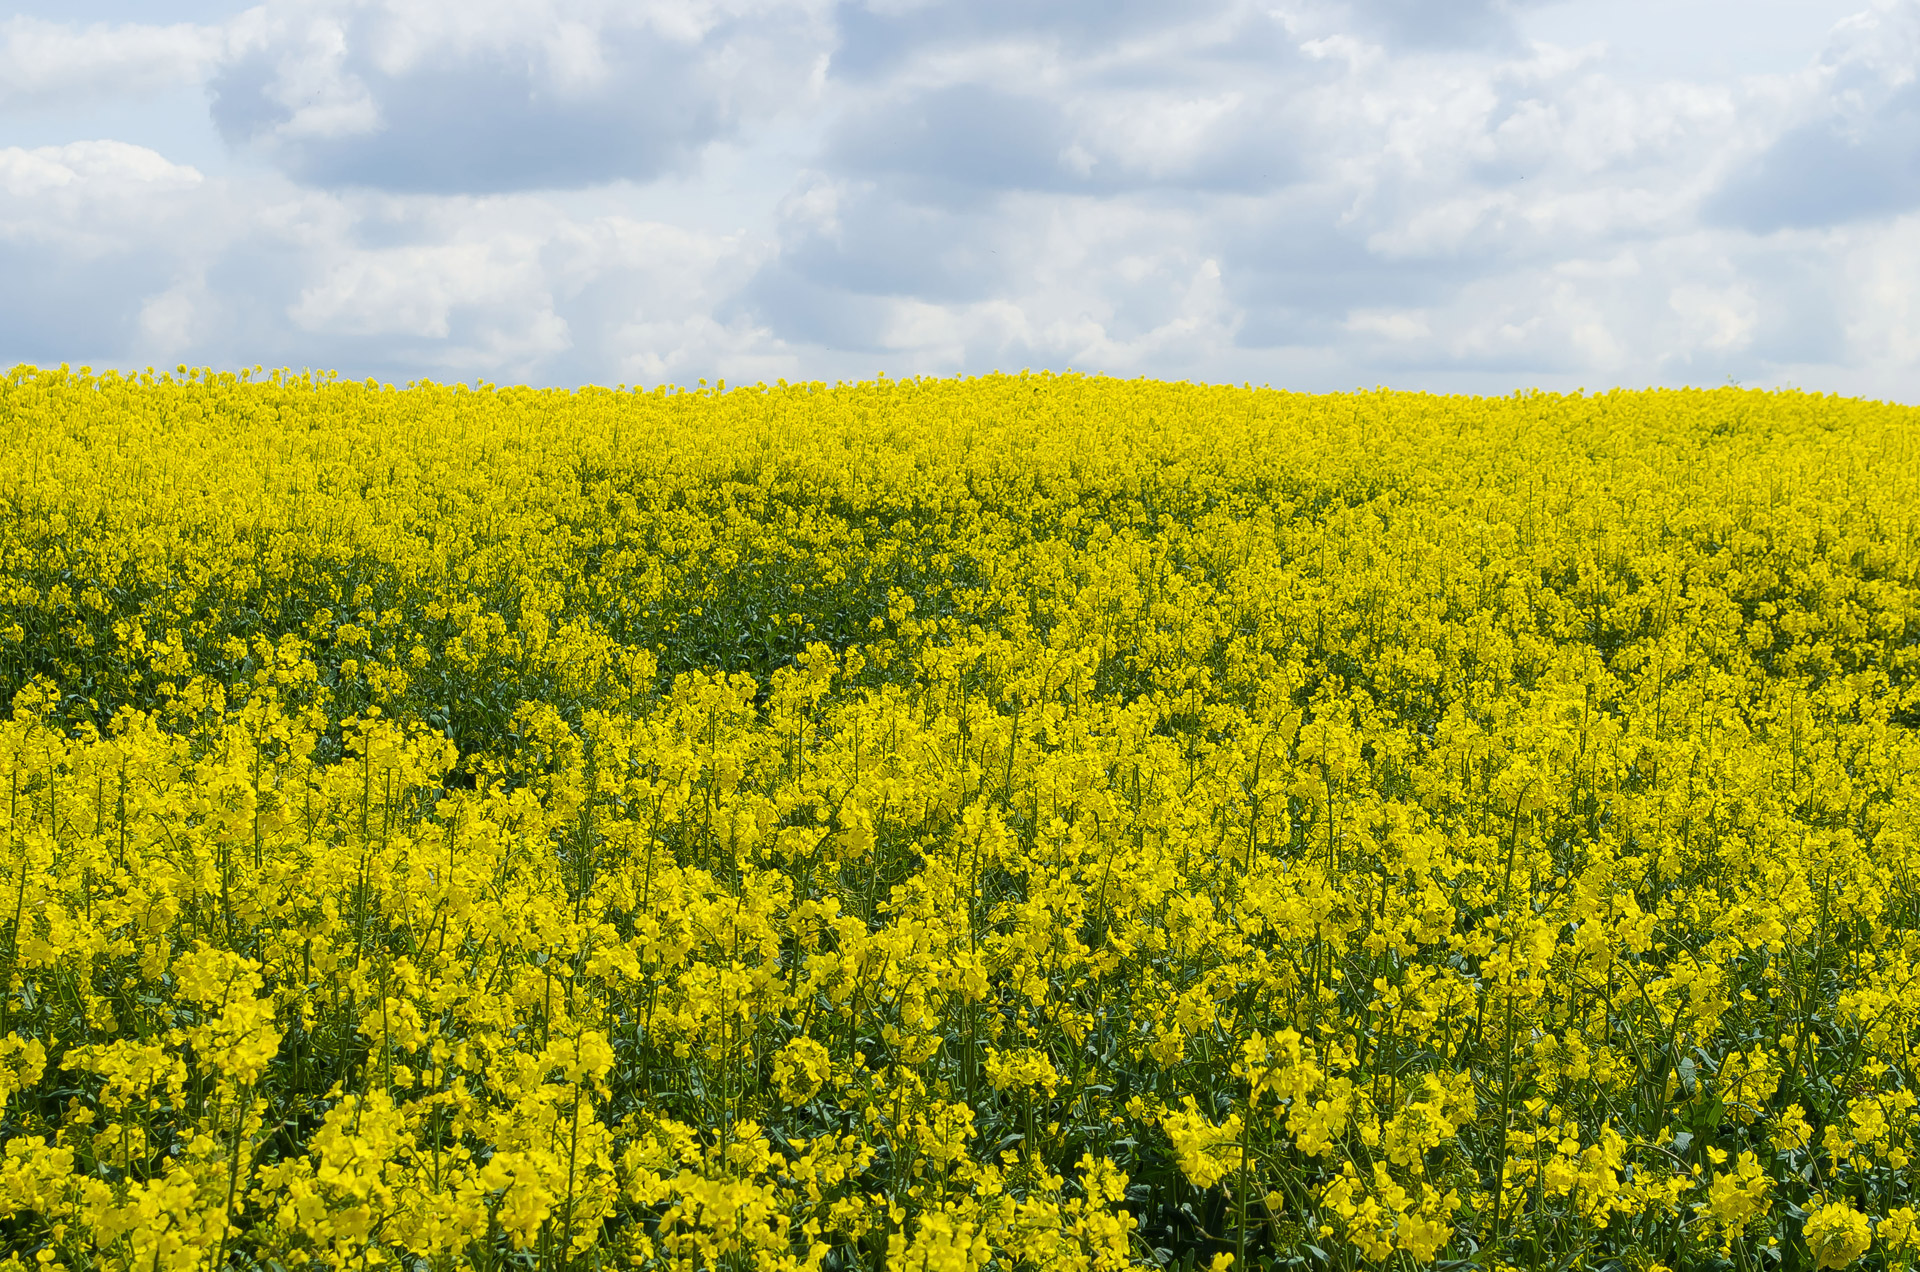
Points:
[(1474, 195)]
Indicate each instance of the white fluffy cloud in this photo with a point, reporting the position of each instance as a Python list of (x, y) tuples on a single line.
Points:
[(50, 64), (1322, 193)]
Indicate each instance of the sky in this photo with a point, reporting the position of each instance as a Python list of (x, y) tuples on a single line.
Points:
[(1449, 195)]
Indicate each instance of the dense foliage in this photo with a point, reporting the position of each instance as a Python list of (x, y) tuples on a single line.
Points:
[(1019, 821)]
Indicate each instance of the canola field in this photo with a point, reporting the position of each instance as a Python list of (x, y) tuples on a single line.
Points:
[(1018, 822)]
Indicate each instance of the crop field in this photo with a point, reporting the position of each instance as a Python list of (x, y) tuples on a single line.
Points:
[(1019, 822)]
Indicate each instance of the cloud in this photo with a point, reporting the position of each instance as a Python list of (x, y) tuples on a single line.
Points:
[(877, 39), (1038, 280), (1851, 151), (863, 239), (71, 249), (1841, 167), (959, 139), (48, 64), (81, 196), (428, 97), (1317, 192), (1826, 174), (414, 291), (1446, 207), (1421, 24), (116, 257)]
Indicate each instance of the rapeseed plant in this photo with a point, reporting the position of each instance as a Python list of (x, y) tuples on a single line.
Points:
[(1025, 821)]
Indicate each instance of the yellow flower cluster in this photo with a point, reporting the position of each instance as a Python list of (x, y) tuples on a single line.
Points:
[(1029, 821)]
